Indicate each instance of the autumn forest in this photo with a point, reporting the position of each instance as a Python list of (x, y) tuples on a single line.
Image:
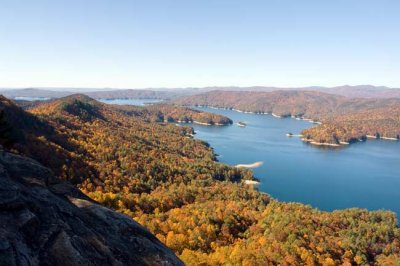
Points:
[(134, 160)]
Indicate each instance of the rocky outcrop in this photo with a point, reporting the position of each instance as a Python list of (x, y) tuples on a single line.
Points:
[(44, 221)]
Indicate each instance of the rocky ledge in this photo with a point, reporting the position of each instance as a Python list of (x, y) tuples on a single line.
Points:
[(44, 221)]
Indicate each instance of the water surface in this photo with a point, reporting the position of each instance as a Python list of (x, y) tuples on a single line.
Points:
[(24, 98), (365, 174), (139, 102)]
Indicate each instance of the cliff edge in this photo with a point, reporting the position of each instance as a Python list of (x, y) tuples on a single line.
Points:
[(44, 221)]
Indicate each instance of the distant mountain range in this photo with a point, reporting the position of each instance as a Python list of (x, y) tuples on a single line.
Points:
[(360, 91)]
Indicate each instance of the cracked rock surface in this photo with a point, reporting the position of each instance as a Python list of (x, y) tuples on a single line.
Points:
[(44, 221)]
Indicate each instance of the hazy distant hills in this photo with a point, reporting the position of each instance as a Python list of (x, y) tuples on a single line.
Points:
[(37, 93), (360, 91)]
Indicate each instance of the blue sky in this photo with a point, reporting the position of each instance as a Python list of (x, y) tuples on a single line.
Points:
[(194, 43)]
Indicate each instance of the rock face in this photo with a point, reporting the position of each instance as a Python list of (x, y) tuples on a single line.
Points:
[(47, 222)]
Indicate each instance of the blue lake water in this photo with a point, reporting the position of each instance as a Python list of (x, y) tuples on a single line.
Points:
[(365, 174), (140, 102), (23, 98)]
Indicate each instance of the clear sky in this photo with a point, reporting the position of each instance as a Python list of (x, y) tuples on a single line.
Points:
[(193, 43)]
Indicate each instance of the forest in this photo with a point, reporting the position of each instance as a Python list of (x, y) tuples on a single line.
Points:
[(344, 120), (170, 113), (158, 112), (158, 174)]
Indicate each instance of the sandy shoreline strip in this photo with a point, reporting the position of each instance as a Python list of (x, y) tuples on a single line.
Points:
[(252, 165), (316, 143), (387, 138), (198, 123), (294, 135), (251, 182)]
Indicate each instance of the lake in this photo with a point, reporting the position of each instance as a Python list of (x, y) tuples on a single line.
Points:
[(139, 102), (23, 98), (365, 174)]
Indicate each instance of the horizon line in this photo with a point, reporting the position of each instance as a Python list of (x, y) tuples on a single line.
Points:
[(58, 88)]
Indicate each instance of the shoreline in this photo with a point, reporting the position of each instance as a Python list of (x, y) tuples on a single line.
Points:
[(260, 113), (316, 143), (378, 138), (389, 138), (198, 123), (294, 135), (275, 115)]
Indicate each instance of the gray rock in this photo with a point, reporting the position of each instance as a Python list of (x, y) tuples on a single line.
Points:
[(44, 221)]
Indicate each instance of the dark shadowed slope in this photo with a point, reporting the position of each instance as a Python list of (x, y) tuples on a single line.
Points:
[(47, 222)]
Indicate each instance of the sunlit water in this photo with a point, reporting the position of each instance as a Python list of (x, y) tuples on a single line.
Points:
[(365, 174), (23, 98), (140, 102)]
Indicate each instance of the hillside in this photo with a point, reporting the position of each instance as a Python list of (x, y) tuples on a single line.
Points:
[(343, 119), (171, 113), (150, 113), (171, 184)]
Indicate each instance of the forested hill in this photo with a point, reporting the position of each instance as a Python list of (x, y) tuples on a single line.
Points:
[(170, 183), (150, 113), (172, 113), (343, 119)]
